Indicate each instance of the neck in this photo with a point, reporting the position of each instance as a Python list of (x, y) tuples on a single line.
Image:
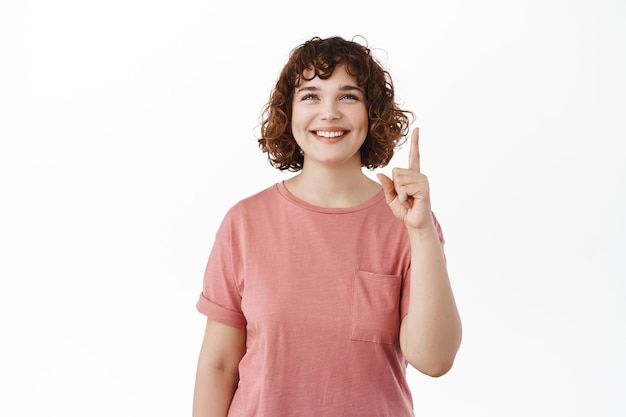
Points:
[(332, 187)]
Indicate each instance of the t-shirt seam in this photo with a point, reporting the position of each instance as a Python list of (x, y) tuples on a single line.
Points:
[(373, 202), (232, 263)]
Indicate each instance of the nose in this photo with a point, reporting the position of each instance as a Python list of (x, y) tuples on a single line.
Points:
[(330, 111)]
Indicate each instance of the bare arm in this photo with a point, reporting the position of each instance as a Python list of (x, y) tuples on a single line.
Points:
[(430, 333), (217, 375)]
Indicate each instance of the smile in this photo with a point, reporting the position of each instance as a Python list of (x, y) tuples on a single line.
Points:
[(327, 134)]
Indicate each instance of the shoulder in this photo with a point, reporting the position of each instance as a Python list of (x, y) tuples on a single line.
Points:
[(268, 194), (253, 207)]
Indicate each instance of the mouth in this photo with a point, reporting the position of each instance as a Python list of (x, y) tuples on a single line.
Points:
[(330, 135)]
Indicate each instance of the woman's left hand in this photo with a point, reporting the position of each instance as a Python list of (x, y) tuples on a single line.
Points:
[(408, 193)]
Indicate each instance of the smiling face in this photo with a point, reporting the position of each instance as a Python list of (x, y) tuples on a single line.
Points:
[(329, 118)]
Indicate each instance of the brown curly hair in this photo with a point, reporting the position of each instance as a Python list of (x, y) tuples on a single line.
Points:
[(388, 124)]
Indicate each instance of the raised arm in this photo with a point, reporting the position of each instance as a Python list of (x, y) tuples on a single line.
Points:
[(430, 334)]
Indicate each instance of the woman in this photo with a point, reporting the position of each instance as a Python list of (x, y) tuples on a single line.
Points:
[(319, 290)]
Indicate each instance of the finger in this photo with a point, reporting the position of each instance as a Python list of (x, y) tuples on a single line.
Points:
[(388, 187), (414, 151)]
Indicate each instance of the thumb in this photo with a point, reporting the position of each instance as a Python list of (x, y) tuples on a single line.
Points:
[(388, 187)]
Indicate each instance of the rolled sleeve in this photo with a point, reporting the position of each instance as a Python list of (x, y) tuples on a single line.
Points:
[(219, 313)]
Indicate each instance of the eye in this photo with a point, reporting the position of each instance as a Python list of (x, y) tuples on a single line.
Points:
[(350, 97), (308, 97)]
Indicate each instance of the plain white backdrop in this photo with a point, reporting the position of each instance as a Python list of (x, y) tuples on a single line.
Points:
[(128, 128)]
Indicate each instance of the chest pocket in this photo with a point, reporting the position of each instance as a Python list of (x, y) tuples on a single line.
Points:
[(376, 307)]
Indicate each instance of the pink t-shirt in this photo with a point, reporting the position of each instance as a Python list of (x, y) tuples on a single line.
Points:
[(321, 293)]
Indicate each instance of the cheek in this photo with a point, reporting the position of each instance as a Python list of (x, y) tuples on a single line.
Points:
[(364, 123), (298, 116), (360, 116)]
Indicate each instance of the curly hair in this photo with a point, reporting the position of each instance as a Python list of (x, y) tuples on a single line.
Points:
[(388, 124)]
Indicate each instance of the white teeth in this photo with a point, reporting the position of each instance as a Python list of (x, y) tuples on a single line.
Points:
[(326, 134)]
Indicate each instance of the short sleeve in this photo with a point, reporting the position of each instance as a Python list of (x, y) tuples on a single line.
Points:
[(220, 299), (439, 231), (404, 302)]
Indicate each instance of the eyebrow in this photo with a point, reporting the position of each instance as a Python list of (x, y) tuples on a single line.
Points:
[(342, 88)]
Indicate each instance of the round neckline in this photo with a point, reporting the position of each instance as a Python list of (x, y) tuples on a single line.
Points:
[(282, 189)]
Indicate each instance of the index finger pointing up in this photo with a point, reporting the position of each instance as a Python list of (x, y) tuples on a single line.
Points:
[(414, 150)]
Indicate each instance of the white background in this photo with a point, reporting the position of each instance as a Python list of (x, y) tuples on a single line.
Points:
[(128, 127)]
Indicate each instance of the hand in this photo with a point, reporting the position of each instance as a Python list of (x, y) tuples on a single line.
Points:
[(408, 194)]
